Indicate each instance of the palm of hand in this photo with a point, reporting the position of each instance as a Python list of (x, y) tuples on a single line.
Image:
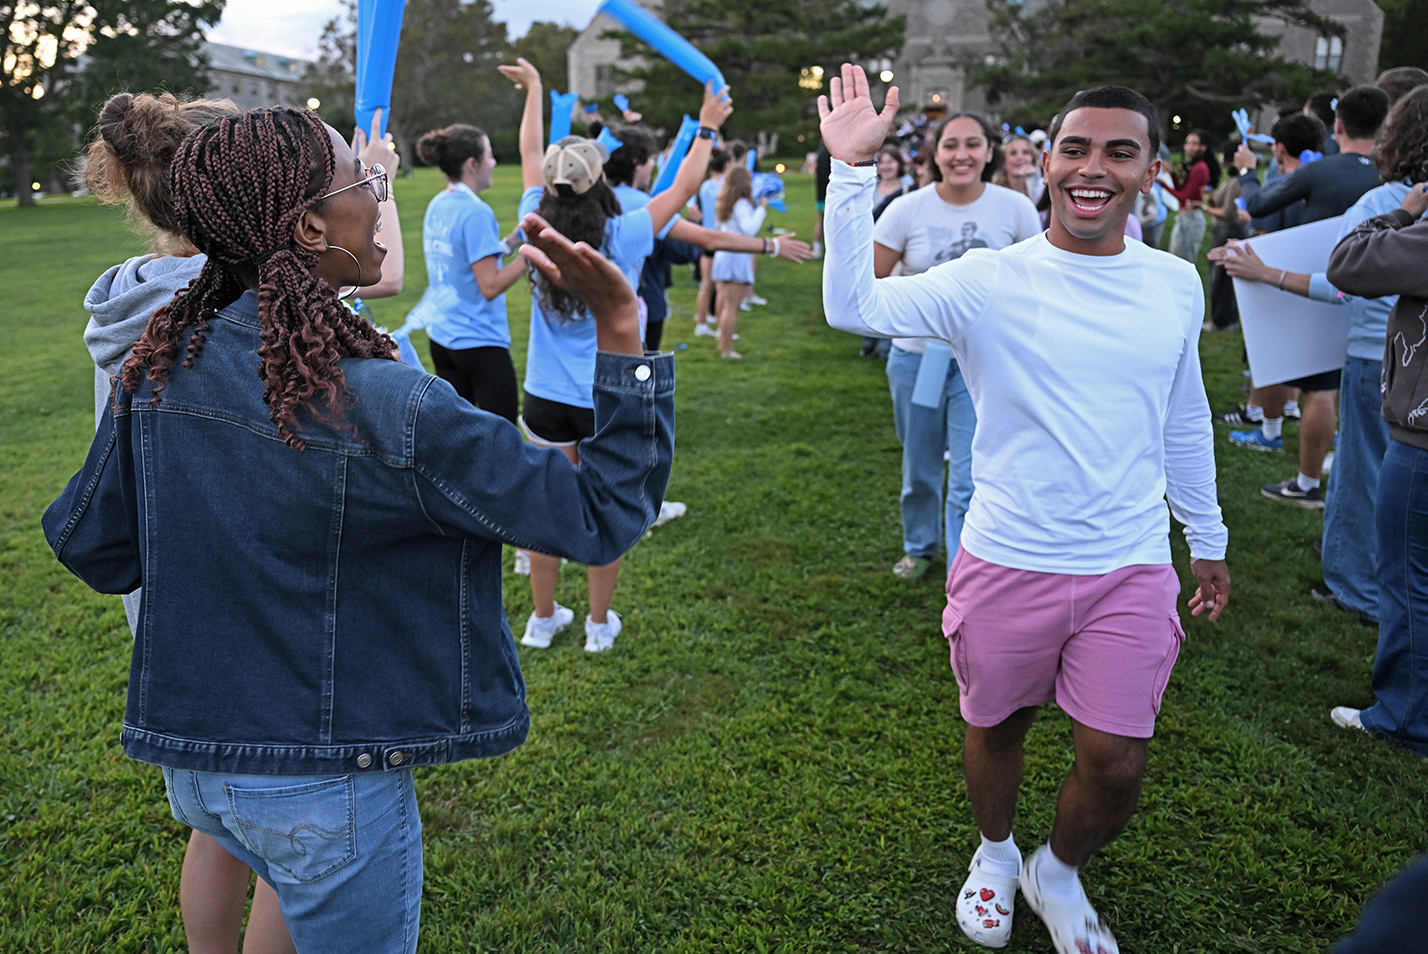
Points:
[(851, 127)]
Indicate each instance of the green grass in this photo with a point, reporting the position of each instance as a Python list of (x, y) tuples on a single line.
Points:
[(770, 758)]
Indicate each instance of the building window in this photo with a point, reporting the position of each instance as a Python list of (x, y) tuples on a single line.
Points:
[(1328, 52), (236, 88), (604, 85)]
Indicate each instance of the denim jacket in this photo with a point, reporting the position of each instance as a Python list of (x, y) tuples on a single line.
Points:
[(338, 609)]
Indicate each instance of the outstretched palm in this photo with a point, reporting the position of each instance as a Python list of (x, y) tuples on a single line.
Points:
[(852, 128)]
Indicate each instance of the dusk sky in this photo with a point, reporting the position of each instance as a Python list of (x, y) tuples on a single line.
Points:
[(292, 27)]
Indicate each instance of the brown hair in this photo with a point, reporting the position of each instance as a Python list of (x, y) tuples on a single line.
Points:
[(239, 187), (1402, 151), (450, 147), (135, 141), (1400, 81), (738, 184), (896, 153)]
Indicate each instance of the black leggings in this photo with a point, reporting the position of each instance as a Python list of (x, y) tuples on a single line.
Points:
[(484, 376)]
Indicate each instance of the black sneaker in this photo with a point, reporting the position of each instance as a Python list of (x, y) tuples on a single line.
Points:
[(1239, 417), (1289, 490)]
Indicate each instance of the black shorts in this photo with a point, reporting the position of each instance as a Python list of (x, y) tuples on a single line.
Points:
[(554, 424), (1323, 381), (705, 253)]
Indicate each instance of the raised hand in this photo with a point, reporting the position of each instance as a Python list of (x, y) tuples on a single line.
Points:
[(852, 128), (523, 74), (376, 148), (717, 106), (580, 269), (1415, 203)]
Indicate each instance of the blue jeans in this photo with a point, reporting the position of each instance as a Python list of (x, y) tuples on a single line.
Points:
[(1400, 667), (926, 433), (343, 853), (1350, 542)]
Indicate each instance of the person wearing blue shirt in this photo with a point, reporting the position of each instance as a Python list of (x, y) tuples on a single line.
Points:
[(1350, 551), (466, 290), (565, 185)]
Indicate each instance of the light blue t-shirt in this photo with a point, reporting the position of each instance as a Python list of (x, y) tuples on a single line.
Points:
[(632, 199), (1368, 327), (460, 229), (560, 359), (708, 198)]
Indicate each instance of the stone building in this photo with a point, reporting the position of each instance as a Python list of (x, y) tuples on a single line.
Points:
[(942, 34), (252, 78)]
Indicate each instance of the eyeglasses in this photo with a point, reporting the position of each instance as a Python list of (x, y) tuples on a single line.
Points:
[(375, 181)]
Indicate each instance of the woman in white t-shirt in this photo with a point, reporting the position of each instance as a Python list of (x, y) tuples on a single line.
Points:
[(733, 272), (960, 210)]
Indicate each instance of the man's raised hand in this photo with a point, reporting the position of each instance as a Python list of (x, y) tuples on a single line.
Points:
[(852, 129)]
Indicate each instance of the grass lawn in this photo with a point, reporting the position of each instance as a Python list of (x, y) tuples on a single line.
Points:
[(770, 758)]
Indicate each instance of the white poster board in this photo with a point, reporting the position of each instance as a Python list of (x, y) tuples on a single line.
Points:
[(1288, 336)]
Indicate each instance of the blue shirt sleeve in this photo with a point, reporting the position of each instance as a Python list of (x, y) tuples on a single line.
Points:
[(481, 234), (633, 238), (530, 201)]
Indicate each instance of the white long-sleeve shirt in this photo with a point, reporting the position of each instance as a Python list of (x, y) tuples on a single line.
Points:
[(746, 219), (1085, 375)]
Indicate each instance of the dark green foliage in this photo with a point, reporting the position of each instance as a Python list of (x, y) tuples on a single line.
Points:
[(770, 758), (127, 45), (761, 47), (1405, 34), (1199, 59)]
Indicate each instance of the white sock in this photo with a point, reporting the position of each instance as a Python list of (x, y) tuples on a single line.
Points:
[(1001, 857), (1056, 878), (1272, 426), (1307, 483)]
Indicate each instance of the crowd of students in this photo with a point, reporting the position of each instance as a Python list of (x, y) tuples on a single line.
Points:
[(263, 451)]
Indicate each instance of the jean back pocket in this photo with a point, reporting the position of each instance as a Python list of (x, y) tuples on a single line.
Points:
[(304, 832)]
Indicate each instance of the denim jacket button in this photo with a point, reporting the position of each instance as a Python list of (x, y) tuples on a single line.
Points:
[(642, 373), (395, 758), (364, 760)]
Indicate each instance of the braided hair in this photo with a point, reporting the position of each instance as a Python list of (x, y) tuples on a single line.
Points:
[(239, 186)]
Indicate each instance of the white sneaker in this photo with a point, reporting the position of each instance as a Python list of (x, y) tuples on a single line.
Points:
[(1347, 718), (758, 300), (986, 904), (670, 510), (601, 636), (703, 329), (540, 631), (746, 305), (1075, 926), (522, 563)]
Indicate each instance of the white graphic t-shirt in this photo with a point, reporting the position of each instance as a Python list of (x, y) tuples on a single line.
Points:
[(929, 231)]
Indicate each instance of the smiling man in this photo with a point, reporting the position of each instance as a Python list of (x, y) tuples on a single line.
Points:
[(1080, 354)]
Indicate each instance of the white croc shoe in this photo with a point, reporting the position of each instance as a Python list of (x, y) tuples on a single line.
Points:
[(986, 903), (539, 632), (1346, 718), (1075, 926), (601, 636)]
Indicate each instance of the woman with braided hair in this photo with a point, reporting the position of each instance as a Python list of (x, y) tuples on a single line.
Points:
[(317, 529)]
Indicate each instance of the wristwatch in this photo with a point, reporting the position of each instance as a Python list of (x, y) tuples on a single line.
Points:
[(709, 133)]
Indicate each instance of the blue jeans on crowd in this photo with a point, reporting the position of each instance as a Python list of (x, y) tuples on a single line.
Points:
[(1400, 667), (926, 434), (1350, 540), (343, 853)]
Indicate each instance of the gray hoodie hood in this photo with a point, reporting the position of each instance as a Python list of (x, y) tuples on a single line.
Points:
[(124, 297), (119, 307)]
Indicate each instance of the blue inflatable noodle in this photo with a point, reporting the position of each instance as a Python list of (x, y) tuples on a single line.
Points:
[(560, 106), (1242, 122), (687, 131), (665, 41), (379, 31)]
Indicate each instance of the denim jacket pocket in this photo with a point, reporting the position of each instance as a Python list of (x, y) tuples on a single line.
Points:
[(304, 832)]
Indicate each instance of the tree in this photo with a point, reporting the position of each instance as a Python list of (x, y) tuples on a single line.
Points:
[(766, 50), (1193, 58), (44, 87), (545, 45), (1405, 41), (445, 72)]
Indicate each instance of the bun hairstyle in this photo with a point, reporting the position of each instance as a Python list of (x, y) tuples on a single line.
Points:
[(449, 148), (136, 138), (994, 140), (239, 187)]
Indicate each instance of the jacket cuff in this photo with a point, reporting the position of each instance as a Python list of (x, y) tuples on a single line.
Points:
[(651, 373), (1400, 218)]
